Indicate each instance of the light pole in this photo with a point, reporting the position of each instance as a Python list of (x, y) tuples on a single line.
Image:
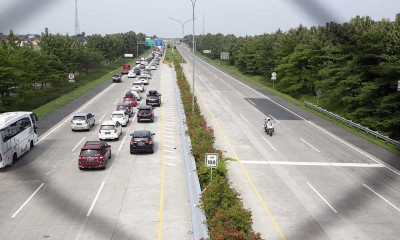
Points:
[(137, 47), (194, 58), (183, 35)]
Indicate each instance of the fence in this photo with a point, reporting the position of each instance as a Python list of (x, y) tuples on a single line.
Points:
[(200, 229), (353, 124)]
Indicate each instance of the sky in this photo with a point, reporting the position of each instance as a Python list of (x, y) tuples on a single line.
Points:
[(239, 17)]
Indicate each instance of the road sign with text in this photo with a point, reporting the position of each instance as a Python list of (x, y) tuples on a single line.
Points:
[(211, 160)]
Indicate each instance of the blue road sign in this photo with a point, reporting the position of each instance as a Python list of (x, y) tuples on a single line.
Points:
[(159, 42)]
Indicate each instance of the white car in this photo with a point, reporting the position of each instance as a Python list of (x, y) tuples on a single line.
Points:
[(138, 86), (146, 75), (120, 116), (144, 80), (82, 121), (110, 130), (136, 94), (131, 74), (153, 67)]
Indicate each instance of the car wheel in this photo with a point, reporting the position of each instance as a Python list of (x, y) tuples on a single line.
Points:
[(132, 152), (80, 168), (152, 120)]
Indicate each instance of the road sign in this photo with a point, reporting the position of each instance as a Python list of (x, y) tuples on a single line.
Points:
[(128, 55), (206, 51), (159, 42), (398, 85), (224, 55), (71, 76), (211, 160), (273, 74), (149, 43)]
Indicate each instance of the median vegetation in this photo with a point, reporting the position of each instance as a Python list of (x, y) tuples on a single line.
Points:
[(226, 216)]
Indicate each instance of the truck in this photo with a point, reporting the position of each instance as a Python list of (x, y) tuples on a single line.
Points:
[(125, 68)]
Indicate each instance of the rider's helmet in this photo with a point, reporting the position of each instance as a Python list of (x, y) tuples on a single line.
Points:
[(268, 119)]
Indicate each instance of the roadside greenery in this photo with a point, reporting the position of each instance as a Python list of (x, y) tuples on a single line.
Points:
[(33, 76), (226, 216), (354, 65)]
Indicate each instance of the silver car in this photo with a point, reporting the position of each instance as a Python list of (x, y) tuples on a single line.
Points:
[(82, 121)]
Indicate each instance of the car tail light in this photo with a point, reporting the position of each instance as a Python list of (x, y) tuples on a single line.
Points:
[(133, 142), (149, 142)]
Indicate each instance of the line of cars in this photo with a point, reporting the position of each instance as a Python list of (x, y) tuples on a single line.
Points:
[(95, 154)]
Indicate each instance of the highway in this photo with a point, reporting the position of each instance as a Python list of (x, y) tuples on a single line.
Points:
[(141, 196), (310, 180)]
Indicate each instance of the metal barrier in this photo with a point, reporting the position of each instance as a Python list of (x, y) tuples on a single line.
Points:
[(200, 229), (353, 124)]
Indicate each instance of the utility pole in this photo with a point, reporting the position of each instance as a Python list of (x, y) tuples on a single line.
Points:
[(77, 30)]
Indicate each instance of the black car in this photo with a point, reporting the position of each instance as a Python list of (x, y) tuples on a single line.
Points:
[(142, 141), (117, 78), (153, 98), (145, 113), (137, 71)]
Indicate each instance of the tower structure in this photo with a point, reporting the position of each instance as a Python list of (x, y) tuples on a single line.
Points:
[(77, 30)]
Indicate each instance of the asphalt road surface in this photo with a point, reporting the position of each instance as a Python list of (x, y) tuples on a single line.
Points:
[(141, 196), (311, 179)]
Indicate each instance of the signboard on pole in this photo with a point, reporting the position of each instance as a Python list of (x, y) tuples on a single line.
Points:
[(128, 55), (206, 51), (398, 85), (159, 42), (224, 55), (211, 160), (71, 77), (149, 42)]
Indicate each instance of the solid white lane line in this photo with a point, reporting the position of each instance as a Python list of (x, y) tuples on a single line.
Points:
[(227, 100), (26, 202), (384, 199), (309, 145), (321, 164), (70, 116), (79, 143), (102, 117), (243, 117), (251, 102), (95, 199), (270, 144), (274, 119), (122, 143), (333, 209)]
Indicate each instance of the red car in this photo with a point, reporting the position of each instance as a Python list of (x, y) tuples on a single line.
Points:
[(94, 154), (131, 100)]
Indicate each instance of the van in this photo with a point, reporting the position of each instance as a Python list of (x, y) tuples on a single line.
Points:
[(110, 130)]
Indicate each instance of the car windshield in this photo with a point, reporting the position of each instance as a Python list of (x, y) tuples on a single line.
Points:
[(89, 152), (117, 116), (121, 107), (107, 127), (144, 111), (79, 118), (117, 76)]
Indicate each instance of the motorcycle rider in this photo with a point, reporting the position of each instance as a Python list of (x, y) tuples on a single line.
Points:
[(268, 124)]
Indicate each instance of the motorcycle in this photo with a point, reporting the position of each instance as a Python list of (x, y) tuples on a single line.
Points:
[(268, 129)]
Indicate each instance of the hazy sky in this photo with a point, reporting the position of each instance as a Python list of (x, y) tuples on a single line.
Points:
[(239, 17)]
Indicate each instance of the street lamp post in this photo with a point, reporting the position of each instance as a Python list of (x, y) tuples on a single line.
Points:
[(137, 47), (194, 57), (183, 34)]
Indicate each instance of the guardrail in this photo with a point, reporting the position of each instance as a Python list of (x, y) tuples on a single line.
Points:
[(200, 229), (353, 124)]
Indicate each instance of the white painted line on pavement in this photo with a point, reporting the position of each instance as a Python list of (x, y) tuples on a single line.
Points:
[(239, 93), (116, 101), (169, 145), (321, 164), (309, 145), (102, 117), (274, 118), (228, 84), (95, 199), (122, 143), (169, 157), (384, 199), (251, 102), (169, 151), (26, 202), (169, 128), (170, 164), (269, 145), (243, 117), (227, 100), (168, 141), (79, 143), (167, 136), (80, 109), (333, 209)]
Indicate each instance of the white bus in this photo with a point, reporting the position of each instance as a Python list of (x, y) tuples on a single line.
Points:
[(18, 134)]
